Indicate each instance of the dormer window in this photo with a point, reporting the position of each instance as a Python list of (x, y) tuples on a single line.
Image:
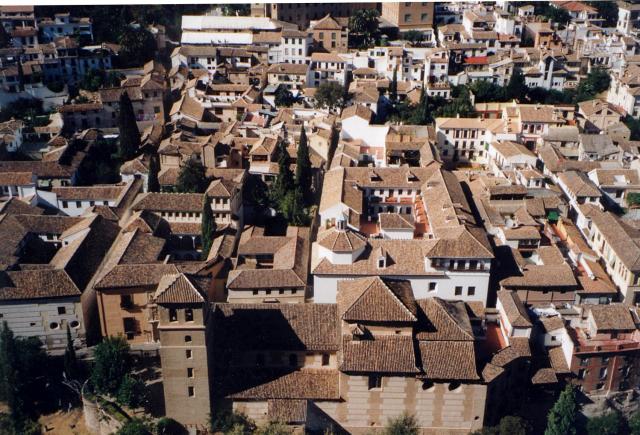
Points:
[(341, 224), (382, 262)]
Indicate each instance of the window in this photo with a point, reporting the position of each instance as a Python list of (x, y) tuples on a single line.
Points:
[(189, 372), (605, 360), (173, 315), (54, 325), (584, 361), (471, 291), (599, 385), (78, 204), (62, 310), (255, 292), (325, 359), (293, 360), (65, 204), (581, 373), (473, 264), (603, 373), (458, 290), (74, 324), (188, 315), (375, 382), (454, 386), (188, 353), (126, 301), (433, 286), (423, 17), (187, 339), (191, 392), (407, 18)]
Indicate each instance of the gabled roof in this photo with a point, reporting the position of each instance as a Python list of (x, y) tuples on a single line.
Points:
[(376, 300), (177, 289), (38, 284), (514, 309)]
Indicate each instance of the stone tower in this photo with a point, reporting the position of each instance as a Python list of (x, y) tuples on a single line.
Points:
[(182, 318)]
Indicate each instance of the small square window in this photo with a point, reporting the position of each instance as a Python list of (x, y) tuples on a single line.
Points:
[(375, 382), (471, 291), (62, 310), (433, 286), (188, 315), (325, 359), (458, 291), (187, 339)]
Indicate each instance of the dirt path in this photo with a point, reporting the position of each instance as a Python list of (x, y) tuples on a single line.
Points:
[(64, 423)]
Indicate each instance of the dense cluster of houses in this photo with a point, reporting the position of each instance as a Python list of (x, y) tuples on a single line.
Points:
[(451, 271)]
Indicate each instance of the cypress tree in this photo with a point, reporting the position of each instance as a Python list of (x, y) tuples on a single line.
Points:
[(129, 134), (393, 86), (284, 181), (207, 226), (70, 359), (153, 185), (9, 376), (303, 167), (563, 416), (293, 207)]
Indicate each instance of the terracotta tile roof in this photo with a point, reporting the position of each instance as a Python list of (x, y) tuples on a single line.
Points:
[(135, 275), (357, 110), (612, 317), (38, 284), (558, 360), (448, 360), (578, 184), (445, 321), (394, 221), (256, 384), (292, 327), (383, 354), (514, 309), (288, 68), (544, 376), (491, 372), (552, 323), (341, 241), (16, 178), (177, 289), (15, 206), (186, 202), (326, 23), (376, 300), (90, 192)]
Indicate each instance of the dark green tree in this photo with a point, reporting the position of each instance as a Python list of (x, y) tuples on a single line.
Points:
[(129, 134), (208, 226), (5, 38), (364, 23), (223, 420), (135, 426), (329, 95), (137, 46), (112, 363), (485, 91), (610, 423), (153, 184), (23, 377), (413, 36), (598, 80), (192, 178), (403, 425), (634, 424), (516, 88), (168, 426), (563, 415), (71, 369), (274, 428), (284, 181), (9, 376), (607, 10), (93, 80), (131, 392), (292, 207), (284, 97), (303, 167), (556, 14), (393, 86)]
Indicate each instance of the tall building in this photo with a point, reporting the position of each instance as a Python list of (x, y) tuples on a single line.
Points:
[(302, 13), (182, 316), (409, 15)]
